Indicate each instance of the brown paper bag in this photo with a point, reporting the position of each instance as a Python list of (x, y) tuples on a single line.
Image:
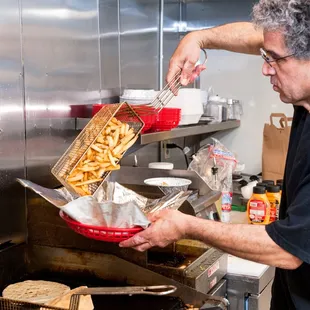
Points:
[(275, 145)]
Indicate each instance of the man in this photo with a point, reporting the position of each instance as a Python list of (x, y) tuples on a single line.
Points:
[(281, 33)]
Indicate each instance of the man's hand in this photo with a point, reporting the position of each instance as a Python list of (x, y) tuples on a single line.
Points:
[(185, 58), (167, 227)]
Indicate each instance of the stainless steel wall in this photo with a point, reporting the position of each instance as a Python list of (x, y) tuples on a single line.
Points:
[(61, 60), (139, 43), (201, 14), (173, 30), (12, 125), (139, 53), (62, 70), (109, 49)]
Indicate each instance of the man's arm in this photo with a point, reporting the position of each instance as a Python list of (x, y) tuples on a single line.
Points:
[(245, 241), (235, 37)]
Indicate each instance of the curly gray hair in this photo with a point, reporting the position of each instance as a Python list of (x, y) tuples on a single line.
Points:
[(292, 17)]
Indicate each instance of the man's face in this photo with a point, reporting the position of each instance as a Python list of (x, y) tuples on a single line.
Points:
[(290, 77)]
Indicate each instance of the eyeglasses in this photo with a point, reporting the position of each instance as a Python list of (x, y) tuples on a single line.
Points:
[(270, 59)]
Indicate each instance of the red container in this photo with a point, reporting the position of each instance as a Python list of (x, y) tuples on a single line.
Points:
[(106, 234), (147, 114), (148, 120), (78, 111), (167, 119), (97, 107)]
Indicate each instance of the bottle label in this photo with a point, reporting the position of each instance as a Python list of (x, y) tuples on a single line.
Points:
[(257, 211), (274, 210), (226, 206), (226, 201)]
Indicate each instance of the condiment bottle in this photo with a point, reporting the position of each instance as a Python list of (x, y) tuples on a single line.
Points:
[(230, 110), (271, 182), (238, 111), (258, 207), (274, 197), (261, 184), (280, 183), (215, 108)]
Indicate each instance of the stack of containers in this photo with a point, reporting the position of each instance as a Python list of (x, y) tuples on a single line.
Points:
[(263, 207), (189, 100), (167, 119)]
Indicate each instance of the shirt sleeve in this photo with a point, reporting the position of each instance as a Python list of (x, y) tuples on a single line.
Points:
[(293, 232)]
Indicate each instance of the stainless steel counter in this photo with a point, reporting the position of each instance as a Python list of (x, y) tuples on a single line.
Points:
[(248, 283), (248, 291)]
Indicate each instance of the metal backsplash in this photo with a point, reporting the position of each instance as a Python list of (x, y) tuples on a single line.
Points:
[(109, 50), (61, 60), (139, 43), (12, 125)]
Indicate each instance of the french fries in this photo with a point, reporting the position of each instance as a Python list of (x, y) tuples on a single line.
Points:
[(102, 156)]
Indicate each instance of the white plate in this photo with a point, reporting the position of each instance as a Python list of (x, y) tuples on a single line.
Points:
[(167, 182), (161, 165)]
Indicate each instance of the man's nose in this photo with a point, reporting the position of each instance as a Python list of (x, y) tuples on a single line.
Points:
[(268, 70)]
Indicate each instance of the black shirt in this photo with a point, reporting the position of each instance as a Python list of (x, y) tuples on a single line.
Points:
[(291, 288)]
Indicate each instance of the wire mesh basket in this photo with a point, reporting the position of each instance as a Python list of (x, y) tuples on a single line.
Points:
[(84, 141), (10, 304)]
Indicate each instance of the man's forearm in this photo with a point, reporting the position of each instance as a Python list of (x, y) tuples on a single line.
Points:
[(240, 37), (246, 241)]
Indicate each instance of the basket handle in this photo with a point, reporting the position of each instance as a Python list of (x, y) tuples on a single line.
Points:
[(159, 290)]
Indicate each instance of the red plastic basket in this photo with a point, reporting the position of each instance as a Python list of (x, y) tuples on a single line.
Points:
[(79, 111), (167, 119), (107, 234), (148, 119), (147, 114), (97, 107)]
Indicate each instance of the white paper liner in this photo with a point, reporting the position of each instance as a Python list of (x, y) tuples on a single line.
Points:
[(114, 206)]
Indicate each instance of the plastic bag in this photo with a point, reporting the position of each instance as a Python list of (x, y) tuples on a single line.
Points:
[(215, 164)]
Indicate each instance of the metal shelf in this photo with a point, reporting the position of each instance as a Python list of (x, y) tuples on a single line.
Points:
[(183, 131), (186, 131)]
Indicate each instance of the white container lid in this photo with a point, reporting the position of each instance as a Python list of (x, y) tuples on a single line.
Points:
[(161, 165), (135, 101), (215, 98), (139, 94)]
